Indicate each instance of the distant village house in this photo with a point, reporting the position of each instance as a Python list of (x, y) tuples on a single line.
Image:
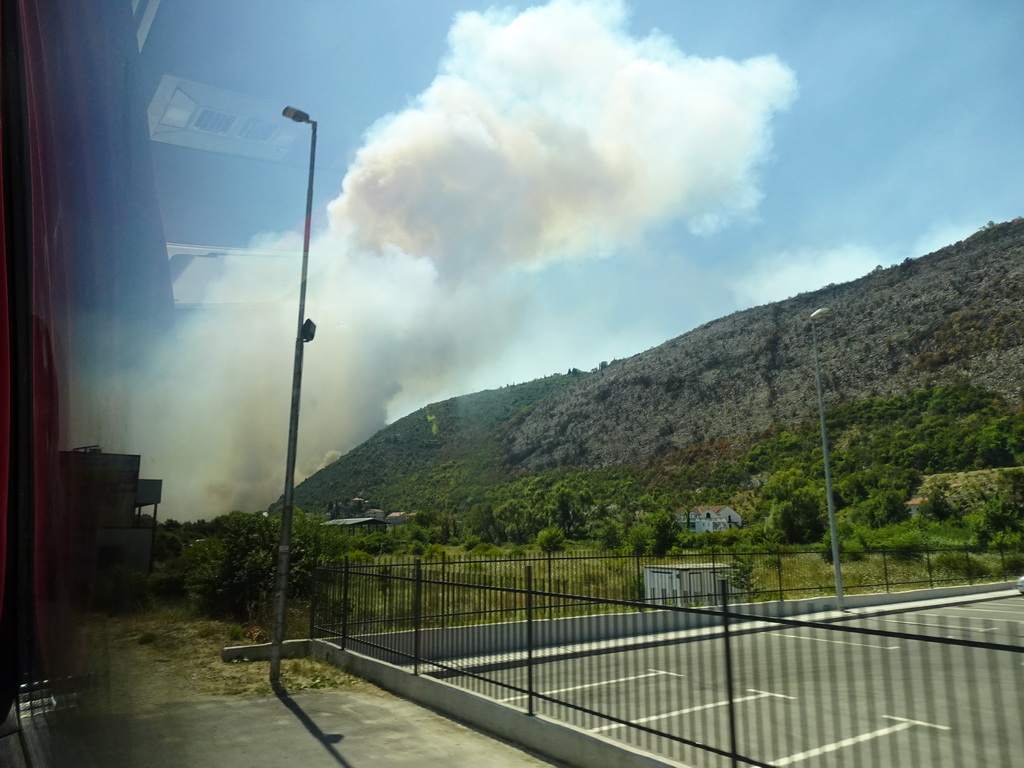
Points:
[(914, 505), (710, 519)]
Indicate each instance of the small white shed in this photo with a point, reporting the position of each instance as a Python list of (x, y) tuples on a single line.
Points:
[(683, 585)]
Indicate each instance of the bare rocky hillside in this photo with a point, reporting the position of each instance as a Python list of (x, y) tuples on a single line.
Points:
[(953, 315)]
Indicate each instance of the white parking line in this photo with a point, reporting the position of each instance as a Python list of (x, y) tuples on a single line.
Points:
[(589, 685), (937, 626), (904, 724), (665, 672), (757, 695), (1004, 612), (839, 642)]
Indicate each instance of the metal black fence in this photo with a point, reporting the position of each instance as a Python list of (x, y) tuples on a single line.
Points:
[(753, 576), (704, 685)]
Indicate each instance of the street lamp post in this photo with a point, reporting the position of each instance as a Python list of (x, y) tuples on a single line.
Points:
[(304, 333), (834, 534)]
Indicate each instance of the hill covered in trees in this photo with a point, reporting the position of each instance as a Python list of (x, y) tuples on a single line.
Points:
[(921, 367)]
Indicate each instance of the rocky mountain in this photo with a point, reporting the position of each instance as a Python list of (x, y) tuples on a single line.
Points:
[(955, 315)]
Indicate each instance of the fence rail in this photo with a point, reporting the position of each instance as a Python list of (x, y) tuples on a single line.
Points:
[(753, 576), (704, 685)]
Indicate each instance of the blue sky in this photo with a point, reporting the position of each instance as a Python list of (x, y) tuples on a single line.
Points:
[(505, 194)]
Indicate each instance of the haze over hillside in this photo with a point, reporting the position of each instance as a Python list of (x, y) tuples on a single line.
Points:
[(952, 316)]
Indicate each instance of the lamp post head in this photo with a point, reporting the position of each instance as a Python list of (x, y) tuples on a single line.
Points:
[(820, 313), (296, 114)]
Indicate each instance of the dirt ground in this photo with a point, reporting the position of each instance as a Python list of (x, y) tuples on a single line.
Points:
[(171, 655)]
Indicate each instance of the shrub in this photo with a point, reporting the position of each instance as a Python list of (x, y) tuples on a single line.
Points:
[(1013, 565), (231, 573), (960, 564), (484, 549), (640, 539), (551, 539), (434, 552)]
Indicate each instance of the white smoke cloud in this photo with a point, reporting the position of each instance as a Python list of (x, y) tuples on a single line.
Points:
[(790, 273), (554, 133), (546, 135)]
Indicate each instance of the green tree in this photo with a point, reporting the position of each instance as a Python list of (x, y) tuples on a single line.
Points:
[(232, 572), (551, 539), (481, 522), (564, 510), (938, 505), (1000, 522), (518, 521), (609, 533), (885, 507), (795, 507), (640, 539), (664, 531)]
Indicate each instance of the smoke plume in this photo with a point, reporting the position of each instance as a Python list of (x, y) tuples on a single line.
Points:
[(551, 134)]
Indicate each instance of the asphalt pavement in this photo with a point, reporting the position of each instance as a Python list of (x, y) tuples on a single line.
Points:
[(320, 729)]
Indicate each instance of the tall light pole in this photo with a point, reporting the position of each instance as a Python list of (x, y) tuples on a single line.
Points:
[(305, 332), (815, 315)]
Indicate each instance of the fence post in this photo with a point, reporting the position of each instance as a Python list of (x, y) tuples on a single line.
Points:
[(550, 588), (723, 586), (928, 563), (885, 569), (417, 613), (312, 599), (640, 597), (443, 602), (967, 564), (529, 639), (778, 565), (345, 607)]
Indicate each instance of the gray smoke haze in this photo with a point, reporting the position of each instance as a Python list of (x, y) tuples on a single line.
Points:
[(551, 134)]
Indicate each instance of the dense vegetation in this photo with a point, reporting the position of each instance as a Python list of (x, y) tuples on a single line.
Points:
[(881, 449), (425, 458), (721, 415)]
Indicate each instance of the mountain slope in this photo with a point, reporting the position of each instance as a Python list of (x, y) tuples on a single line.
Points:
[(952, 316), (461, 429)]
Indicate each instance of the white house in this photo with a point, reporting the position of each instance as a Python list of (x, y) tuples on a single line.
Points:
[(706, 519)]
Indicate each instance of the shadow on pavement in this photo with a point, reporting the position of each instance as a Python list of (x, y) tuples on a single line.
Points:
[(326, 740)]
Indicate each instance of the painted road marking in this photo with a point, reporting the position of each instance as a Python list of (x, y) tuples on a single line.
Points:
[(1004, 612), (903, 724), (937, 626), (757, 695), (839, 642), (665, 672), (589, 685)]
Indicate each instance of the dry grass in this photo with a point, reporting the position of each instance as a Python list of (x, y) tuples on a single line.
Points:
[(170, 654)]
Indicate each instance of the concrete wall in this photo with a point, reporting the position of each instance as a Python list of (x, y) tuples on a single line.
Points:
[(508, 637)]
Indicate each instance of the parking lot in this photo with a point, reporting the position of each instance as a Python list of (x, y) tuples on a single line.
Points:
[(786, 694)]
